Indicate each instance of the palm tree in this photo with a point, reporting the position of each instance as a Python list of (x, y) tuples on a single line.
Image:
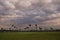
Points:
[(51, 28), (1, 28), (30, 25), (13, 26), (40, 28), (36, 26), (26, 28), (9, 28)]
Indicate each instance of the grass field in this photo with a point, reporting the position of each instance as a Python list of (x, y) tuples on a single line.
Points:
[(29, 35)]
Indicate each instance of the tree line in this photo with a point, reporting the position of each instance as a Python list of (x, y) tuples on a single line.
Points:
[(25, 29)]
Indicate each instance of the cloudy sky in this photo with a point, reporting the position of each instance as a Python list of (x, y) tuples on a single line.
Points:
[(29, 11)]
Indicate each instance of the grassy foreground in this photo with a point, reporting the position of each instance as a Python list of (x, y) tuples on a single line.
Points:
[(29, 35)]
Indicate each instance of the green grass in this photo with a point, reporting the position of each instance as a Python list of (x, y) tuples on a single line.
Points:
[(29, 35)]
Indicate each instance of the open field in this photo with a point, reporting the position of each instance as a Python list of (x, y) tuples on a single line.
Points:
[(29, 35)]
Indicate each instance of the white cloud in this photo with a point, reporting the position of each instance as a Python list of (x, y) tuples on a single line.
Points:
[(25, 3), (46, 1), (56, 15)]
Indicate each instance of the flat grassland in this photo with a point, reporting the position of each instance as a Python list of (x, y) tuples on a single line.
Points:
[(29, 35)]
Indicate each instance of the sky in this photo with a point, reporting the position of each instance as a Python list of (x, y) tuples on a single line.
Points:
[(30, 11)]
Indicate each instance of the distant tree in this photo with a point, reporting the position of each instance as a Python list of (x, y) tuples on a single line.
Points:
[(30, 25), (51, 28), (9, 28), (13, 26), (26, 28), (2, 29), (36, 26), (40, 28)]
